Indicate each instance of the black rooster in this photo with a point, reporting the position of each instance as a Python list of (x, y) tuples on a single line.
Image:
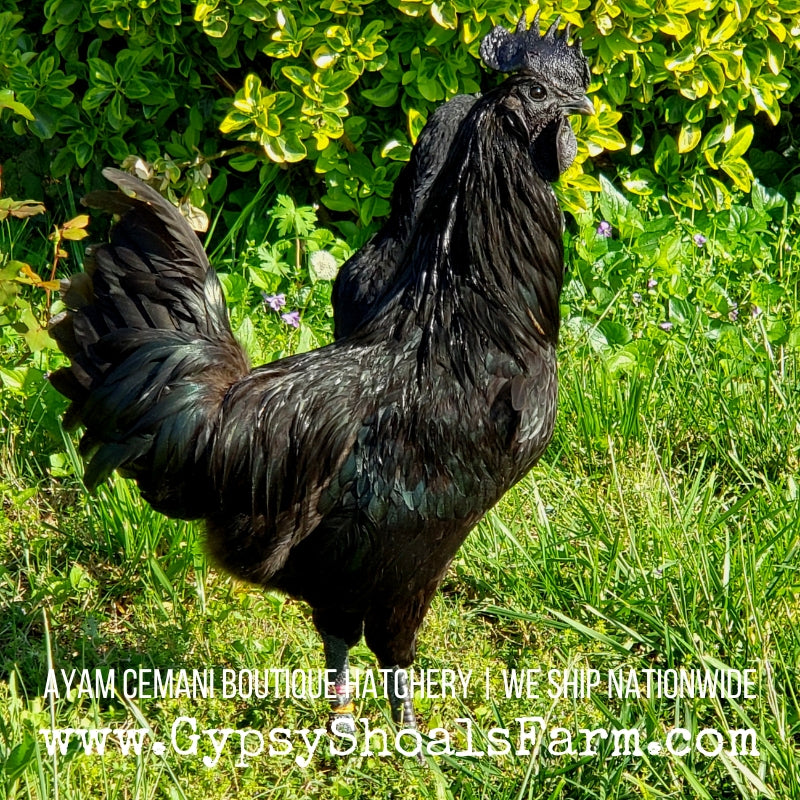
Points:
[(350, 475)]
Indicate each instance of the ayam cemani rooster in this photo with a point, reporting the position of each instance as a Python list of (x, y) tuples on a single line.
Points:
[(348, 476)]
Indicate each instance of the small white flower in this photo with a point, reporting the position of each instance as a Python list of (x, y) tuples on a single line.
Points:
[(323, 265)]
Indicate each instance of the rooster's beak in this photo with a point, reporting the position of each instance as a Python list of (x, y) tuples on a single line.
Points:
[(582, 106)]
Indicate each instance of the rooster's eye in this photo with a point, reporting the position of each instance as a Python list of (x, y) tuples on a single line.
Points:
[(537, 92)]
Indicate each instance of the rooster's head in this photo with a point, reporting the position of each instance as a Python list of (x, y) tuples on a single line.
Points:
[(550, 82)]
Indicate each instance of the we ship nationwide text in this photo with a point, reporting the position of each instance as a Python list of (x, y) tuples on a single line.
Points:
[(280, 683)]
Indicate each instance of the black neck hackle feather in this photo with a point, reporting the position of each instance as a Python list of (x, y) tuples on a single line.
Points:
[(484, 265)]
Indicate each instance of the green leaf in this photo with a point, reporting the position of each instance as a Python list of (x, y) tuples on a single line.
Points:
[(641, 182), (416, 122), (685, 195), (7, 101), (683, 61), (398, 151), (306, 341), (102, 72), (689, 137), (244, 163), (713, 73), (618, 210), (667, 160), (739, 172), (18, 760), (127, 64), (216, 24), (765, 199), (617, 88), (45, 122), (738, 144), (614, 332), (136, 89), (336, 82), (96, 96), (444, 14), (84, 152), (297, 75), (384, 95), (726, 29)]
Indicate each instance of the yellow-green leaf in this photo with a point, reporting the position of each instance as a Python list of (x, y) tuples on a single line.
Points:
[(713, 73), (7, 101), (605, 138), (74, 234), (81, 221), (674, 25), (738, 144), (689, 137), (19, 208), (252, 86), (445, 15), (324, 56), (726, 29), (765, 100), (584, 182), (416, 122), (778, 29), (203, 9), (682, 62), (640, 182), (233, 122), (739, 172)]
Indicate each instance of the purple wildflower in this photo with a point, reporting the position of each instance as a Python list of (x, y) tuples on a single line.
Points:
[(733, 314), (275, 301), (291, 318), (652, 283), (699, 239), (756, 312), (665, 326), (637, 298), (604, 230)]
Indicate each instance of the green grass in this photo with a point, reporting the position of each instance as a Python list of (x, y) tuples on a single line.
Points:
[(661, 530)]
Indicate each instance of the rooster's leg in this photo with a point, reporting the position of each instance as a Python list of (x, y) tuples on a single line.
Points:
[(400, 698), (336, 660)]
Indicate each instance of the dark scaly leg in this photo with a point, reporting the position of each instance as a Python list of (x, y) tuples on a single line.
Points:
[(391, 633), (336, 659), (402, 703), (400, 699), (339, 631)]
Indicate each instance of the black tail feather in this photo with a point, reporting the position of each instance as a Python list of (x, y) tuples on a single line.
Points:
[(151, 350)]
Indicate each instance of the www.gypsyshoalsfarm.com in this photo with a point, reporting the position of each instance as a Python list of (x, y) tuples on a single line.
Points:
[(524, 737)]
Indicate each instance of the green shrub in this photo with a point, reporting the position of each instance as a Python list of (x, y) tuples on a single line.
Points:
[(336, 92)]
